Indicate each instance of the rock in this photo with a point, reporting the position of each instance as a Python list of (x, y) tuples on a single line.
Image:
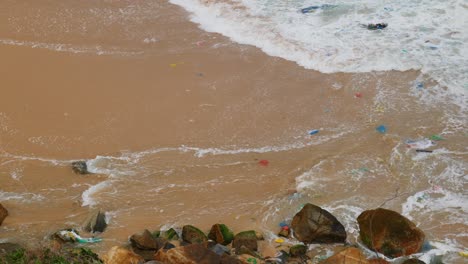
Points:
[(347, 256), (193, 235), (3, 213), (243, 250), (247, 239), (298, 251), (144, 240), (284, 232), (378, 261), (80, 167), (413, 261), (120, 255), (389, 233), (170, 234), (191, 254), (221, 234), (315, 225), (96, 222), (226, 259)]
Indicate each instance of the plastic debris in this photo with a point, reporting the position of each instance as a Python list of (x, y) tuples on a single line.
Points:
[(377, 26), (437, 137), (313, 132), (285, 227), (381, 129), (252, 260), (279, 240), (263, 162), (420, 144), (423, 197), (419, 85), (72, 236), (311, 9), (173, 65), (283, 224), (358, 95), (424, 150), (463, 254), (379, 108)]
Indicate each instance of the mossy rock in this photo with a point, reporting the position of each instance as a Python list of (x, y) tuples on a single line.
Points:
[(221, 234), (247, 239), (170, 234), (298, 250), (193, 235)]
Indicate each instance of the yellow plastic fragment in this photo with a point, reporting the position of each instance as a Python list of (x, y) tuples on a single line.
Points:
[(173, 65), (463, 254), (279, 240)]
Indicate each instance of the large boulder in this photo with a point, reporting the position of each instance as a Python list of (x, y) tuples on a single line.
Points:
[(389, 233), (3, 213), (247, 239), (221, 234), (144, 241), (190, 254), (80, 167), (120, 255), (96, 222), (316, 225), (347, 256), (193, 235)]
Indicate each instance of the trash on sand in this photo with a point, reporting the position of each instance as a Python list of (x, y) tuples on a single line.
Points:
[(437, 137), (424, 150), (311, 9), (279, 240), (381, 129), (285, 227), (358, 95), (72, 236), (283, 224), (419, 144), (313, 132), (377, 26), (252, 260), (263, 162)]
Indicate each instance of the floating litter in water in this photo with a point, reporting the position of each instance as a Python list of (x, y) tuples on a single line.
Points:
[(263, 162), (420, 85), (71, 235), (381, 129), (173, 65), (358, 95), (463, 254), (279, 240), (437, 137), (420, 144), (313, 132)]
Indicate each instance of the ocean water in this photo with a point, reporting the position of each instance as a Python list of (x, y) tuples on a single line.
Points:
[(213, 172), (426, 35)]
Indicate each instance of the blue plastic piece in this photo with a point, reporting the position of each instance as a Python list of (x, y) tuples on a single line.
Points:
[(381, 129), (313, 132), (420, 85)]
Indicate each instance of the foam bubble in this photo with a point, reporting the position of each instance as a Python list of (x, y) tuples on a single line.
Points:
[(87, 196)]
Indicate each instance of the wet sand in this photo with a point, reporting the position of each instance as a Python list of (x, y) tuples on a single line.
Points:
[(191, 90)]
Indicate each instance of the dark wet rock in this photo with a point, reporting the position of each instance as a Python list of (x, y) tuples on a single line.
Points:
[(221, 234), (144, 240), (168, 245), (284, 232), (3, 213), (193, 235), (96, 222), (298, 251), (190, 254), (243, 250), (247, 239), (377, 26), (389, 233), (226, 259), (347, 256), (413, 261), (316, 225), (220, 249), (153, 262), (80, 167), (378, 261), (120, 255)]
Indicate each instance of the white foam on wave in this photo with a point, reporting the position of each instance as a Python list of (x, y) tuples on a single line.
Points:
[(59, 47), (428, 35), (21, 197), (88, 195)]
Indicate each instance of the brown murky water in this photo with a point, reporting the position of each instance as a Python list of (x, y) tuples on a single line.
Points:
[(174, 121)]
